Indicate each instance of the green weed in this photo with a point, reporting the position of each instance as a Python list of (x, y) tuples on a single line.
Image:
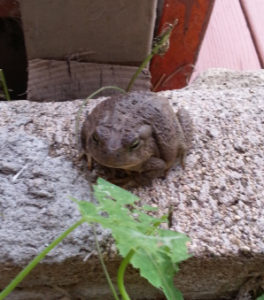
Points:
[(156, 252), (4, 86)]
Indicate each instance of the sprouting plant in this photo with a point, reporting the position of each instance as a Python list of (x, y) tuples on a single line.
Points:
[(161, 45), (139, 238), (3, 85)]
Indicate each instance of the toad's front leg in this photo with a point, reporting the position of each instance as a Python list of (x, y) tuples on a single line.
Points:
[(88, 159)]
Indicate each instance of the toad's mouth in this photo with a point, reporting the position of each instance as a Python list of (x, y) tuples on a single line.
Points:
[(132, 166)]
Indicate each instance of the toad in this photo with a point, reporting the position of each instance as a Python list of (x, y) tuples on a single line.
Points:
[(137, 132)]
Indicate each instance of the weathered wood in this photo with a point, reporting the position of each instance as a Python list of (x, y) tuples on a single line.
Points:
[(63, 80), (102, 31)]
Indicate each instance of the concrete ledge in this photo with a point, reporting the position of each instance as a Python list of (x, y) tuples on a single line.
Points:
[(218, 199)]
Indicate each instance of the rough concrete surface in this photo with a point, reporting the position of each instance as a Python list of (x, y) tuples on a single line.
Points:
[(217, 200)]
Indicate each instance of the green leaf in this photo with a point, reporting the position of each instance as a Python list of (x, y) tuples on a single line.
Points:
[(260, 297), (156, 251), (156, 257), (159, 270), (118, 194), (87, 208), (175, 242)]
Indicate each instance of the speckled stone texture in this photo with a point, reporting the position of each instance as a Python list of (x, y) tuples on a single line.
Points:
[(218, 200)]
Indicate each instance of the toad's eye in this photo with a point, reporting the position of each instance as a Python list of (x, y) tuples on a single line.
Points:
[(134, 145), (95, 138)]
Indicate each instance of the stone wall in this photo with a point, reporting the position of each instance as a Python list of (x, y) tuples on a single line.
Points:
[(217, 200)]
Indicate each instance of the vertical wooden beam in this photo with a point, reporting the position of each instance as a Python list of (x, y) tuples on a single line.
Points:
[(173, 70)]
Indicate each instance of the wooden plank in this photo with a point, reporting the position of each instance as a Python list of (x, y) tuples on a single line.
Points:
[(55, 80), (173, 70), (105, 31), (227, 42), (254, 12)]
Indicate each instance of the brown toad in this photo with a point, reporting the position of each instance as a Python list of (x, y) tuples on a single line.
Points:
[(137, 132)]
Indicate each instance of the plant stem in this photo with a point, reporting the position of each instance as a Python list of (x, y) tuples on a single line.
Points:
[(112, 288), (138, 71), (5, 89), (37, 259), (163, 38), (105, 88), (120, 275)]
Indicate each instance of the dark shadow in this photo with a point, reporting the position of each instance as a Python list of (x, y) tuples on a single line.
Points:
[(13, 59)]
